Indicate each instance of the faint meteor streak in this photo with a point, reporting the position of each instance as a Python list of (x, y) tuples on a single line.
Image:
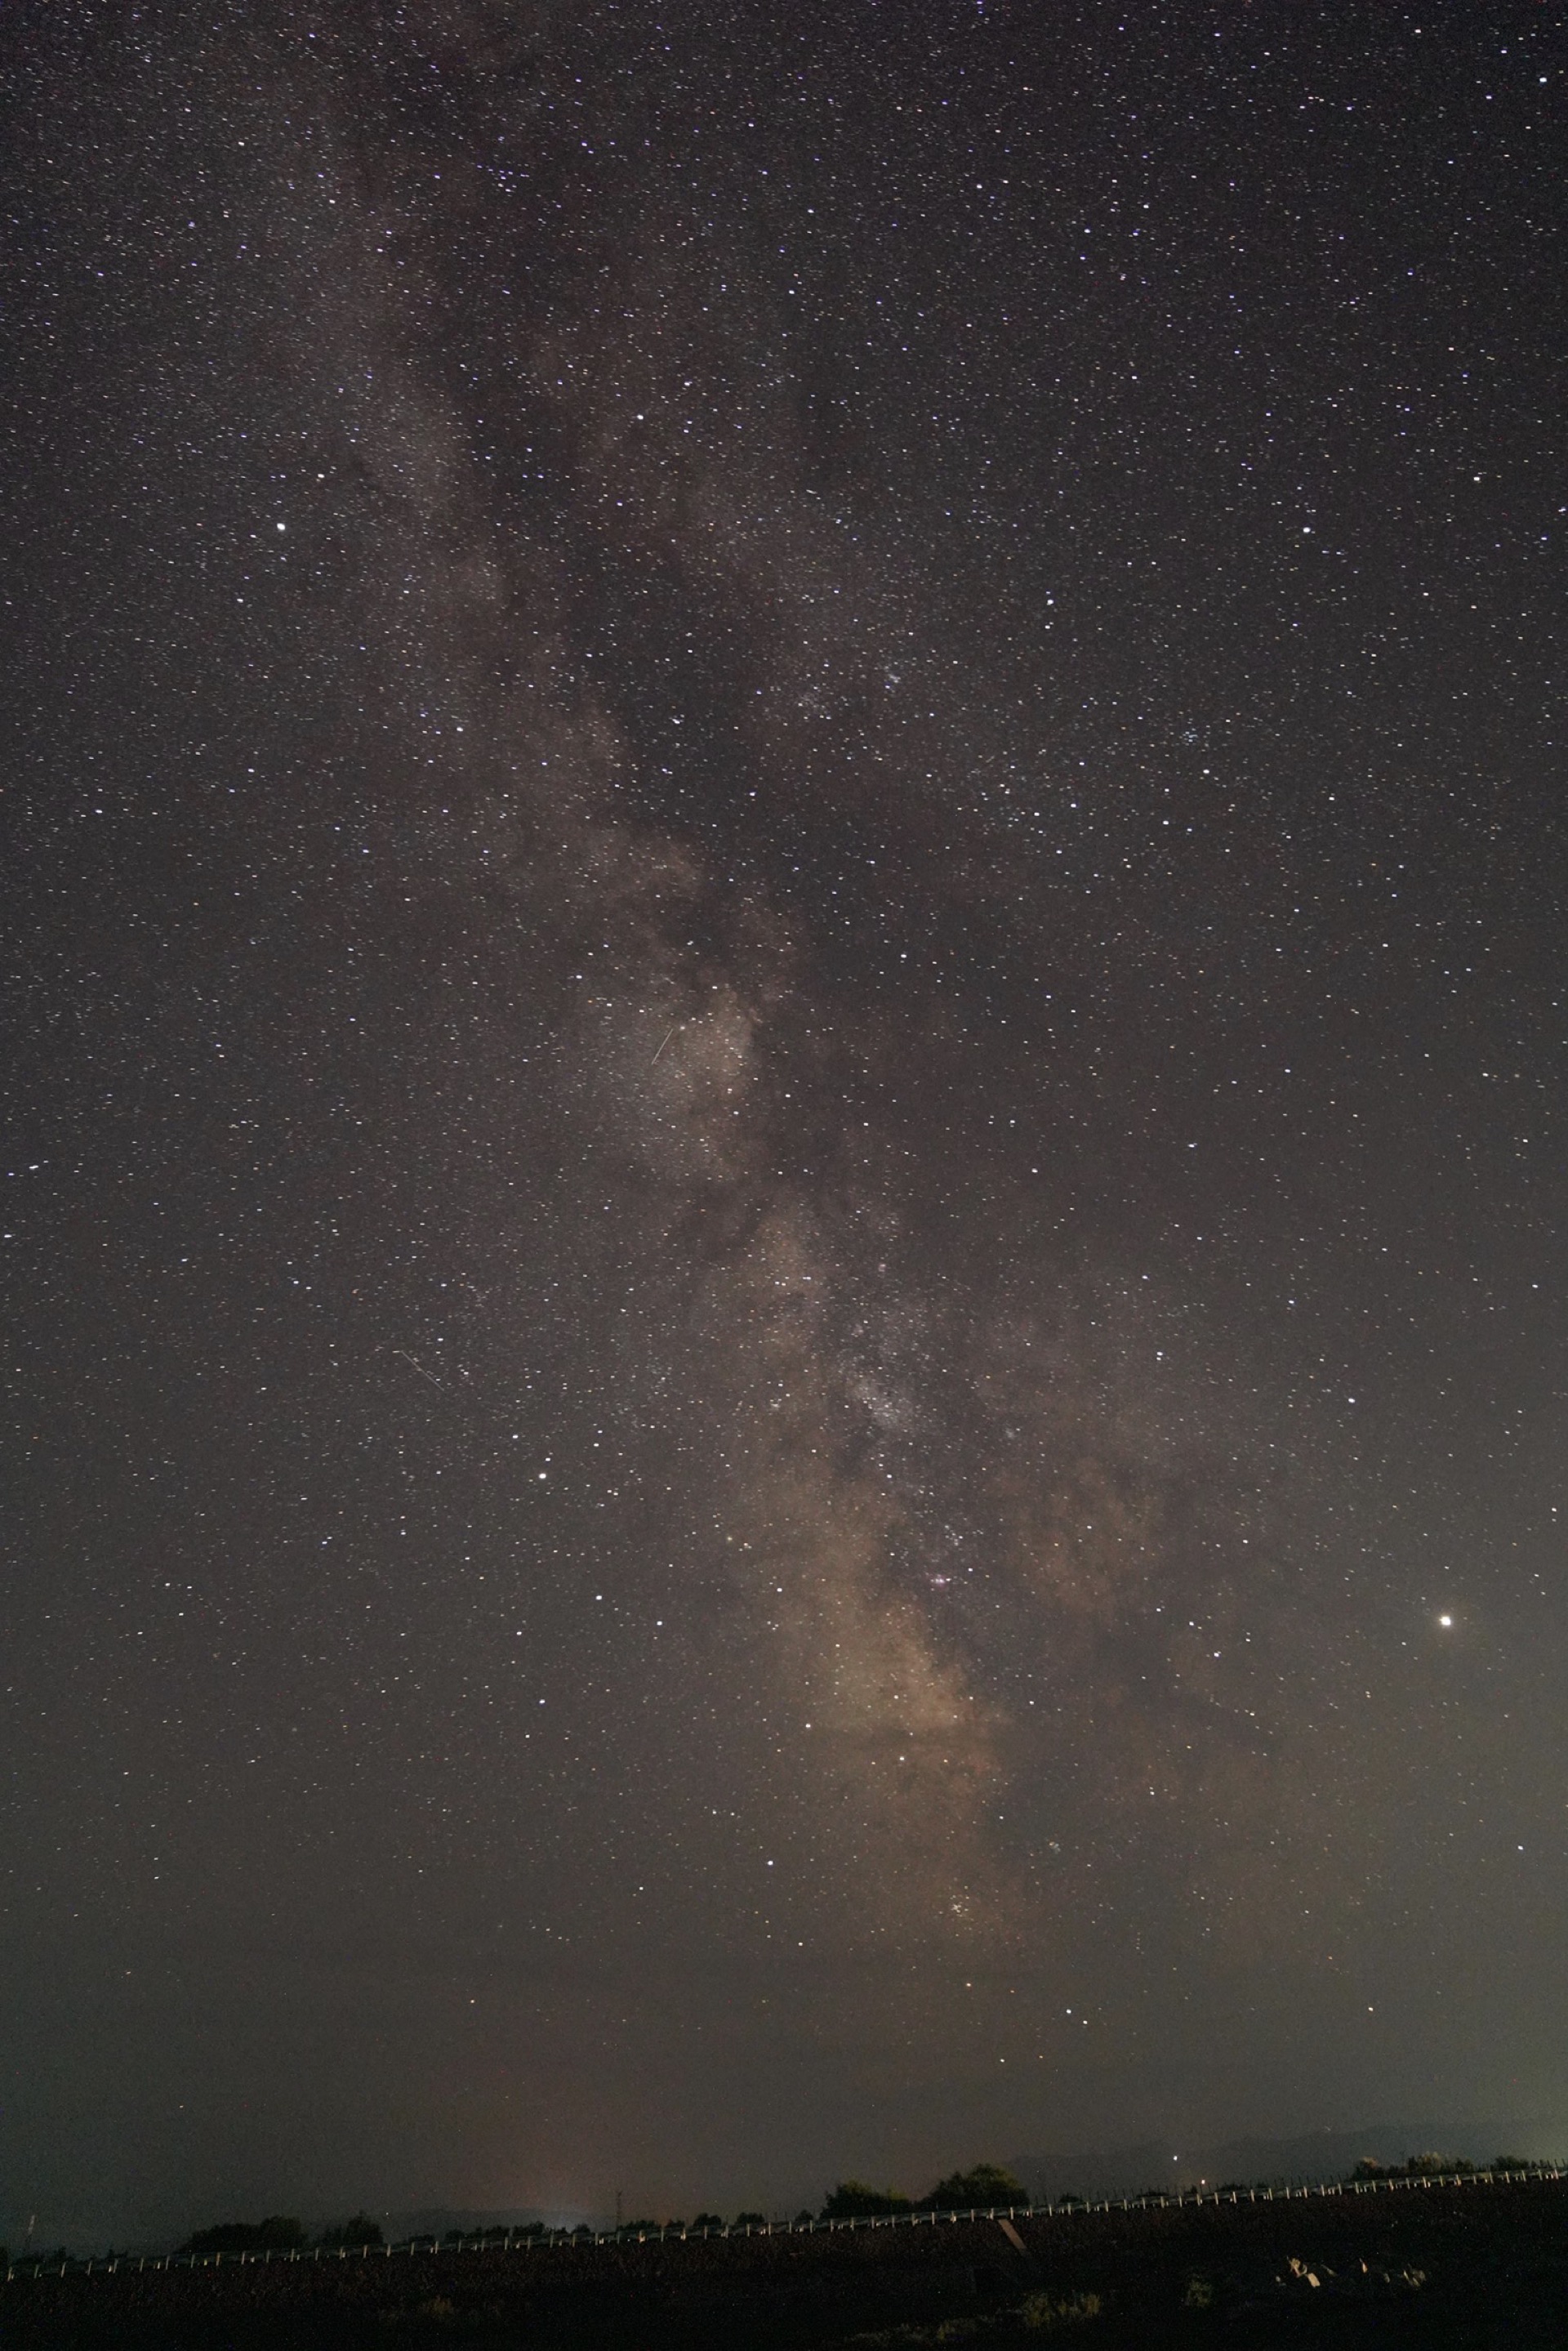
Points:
[(668, 1034)]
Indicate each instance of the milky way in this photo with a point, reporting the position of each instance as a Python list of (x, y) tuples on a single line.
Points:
[(785, 1184)]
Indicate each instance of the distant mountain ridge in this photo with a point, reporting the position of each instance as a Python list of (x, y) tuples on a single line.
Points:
[(1314, 2155)]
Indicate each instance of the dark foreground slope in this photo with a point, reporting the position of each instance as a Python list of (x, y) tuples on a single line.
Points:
[(1455, 2267)]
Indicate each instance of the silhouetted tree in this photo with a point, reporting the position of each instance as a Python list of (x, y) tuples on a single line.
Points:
[(359, 2231), (986, 2184), (277, 2234), (852, 2200)]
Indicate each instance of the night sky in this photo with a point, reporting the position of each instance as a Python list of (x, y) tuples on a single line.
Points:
[(785, 1223)]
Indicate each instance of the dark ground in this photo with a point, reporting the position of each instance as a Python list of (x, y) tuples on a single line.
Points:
[(1452, 2268)]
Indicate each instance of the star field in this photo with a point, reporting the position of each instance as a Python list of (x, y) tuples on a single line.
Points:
[(784, 1157)]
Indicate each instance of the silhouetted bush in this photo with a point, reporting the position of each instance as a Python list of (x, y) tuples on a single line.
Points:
[(1042, 2312)]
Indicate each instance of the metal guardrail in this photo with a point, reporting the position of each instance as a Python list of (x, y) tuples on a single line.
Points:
[(519, 2240)]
